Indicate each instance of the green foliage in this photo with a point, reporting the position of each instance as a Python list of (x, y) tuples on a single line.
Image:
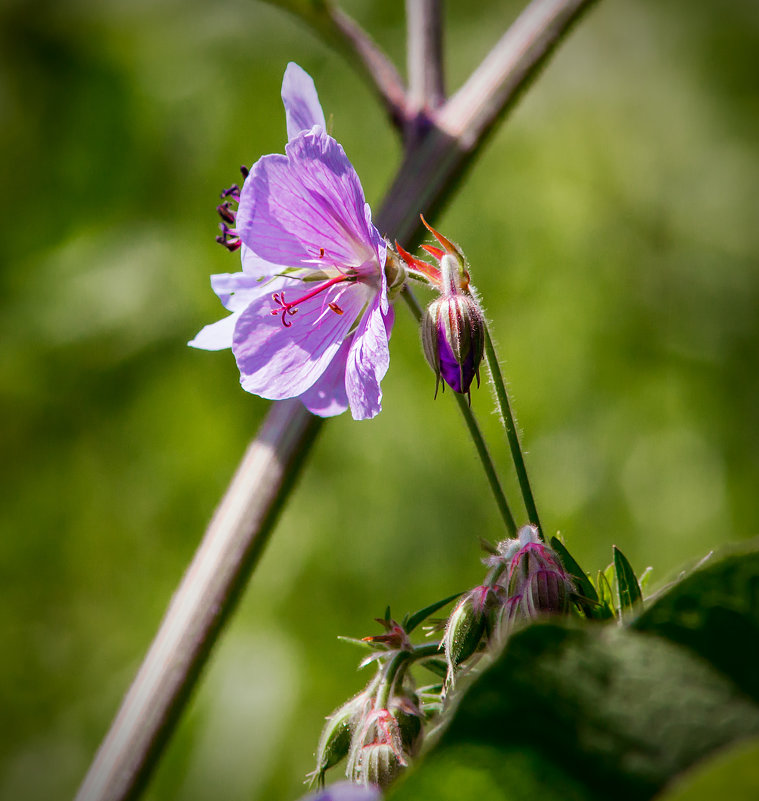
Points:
[(714, 612), (587, 598), (629, 596), (596, 712), (732, 774), (410, 622)]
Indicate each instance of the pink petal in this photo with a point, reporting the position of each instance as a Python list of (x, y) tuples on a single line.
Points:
[(279, 362), (308, 205), (302, 107), (368, 361), (327, 397), (216, 336), (237, 290)]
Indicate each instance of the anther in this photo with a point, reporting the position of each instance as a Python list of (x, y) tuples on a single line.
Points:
[(233, 192), (226, 212), (228, 238)]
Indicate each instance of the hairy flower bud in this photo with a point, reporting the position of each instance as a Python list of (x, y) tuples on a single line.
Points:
[(335, 740), (408, 716), (453, 338), (467, 624), (377, 764), (536, 581)]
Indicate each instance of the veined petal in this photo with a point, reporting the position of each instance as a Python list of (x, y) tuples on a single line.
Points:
[(306, 206), (255, 266), (328, 397), (368, 361), (302, 107), (216, 336), (278, 361), (237, 290)]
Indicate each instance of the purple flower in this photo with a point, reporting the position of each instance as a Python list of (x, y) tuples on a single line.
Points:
[(345, 791), (310, 313)]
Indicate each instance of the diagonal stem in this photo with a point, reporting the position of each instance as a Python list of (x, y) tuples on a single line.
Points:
[(246, 515), (200, 607)]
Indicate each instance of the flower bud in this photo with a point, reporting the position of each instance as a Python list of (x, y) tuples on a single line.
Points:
[(408, 716), (467, 624), (453, 338), (335, 740), (377, 764), (377, 752), (537, 582)]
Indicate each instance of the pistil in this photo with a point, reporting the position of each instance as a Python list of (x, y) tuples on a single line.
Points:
[(289, 308)]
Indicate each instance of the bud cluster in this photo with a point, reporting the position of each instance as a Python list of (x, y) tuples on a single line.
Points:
[(381, 728), (527, 581)]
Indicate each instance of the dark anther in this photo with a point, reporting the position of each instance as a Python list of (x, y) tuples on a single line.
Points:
[(228, 238), (226, 212), (245, 171), (233, 192)]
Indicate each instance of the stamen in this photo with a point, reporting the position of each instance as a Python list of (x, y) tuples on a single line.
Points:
[(226, 212), (229, 238), (335, 308), (233, 192)]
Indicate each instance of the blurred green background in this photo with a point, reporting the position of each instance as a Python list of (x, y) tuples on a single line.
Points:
[(612, 229)]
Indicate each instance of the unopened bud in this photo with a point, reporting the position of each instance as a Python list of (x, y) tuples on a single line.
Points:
[(335, 740), (453, 338), (537, 582), (467, 624), (378, 764), (409, 718)]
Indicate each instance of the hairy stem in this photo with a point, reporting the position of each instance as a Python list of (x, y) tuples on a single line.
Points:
[(487, 463), (509, 424), (475, 433)]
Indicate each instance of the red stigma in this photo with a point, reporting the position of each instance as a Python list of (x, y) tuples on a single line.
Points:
[(290, 308)]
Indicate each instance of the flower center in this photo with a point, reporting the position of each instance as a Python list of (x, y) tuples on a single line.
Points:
[(289, 308)]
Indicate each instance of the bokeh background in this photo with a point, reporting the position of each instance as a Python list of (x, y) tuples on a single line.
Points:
[(611, 225)]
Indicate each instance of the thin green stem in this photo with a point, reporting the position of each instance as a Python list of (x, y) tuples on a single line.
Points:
[(487, 463), (397, 666), (510, 427), (475, 433)]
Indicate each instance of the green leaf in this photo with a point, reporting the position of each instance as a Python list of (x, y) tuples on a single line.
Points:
[(414, 620), (605, 595), (585, 713), (733, 774), (587, 595), (366, 646), (628, 590), (436, 666), (715, 612)]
